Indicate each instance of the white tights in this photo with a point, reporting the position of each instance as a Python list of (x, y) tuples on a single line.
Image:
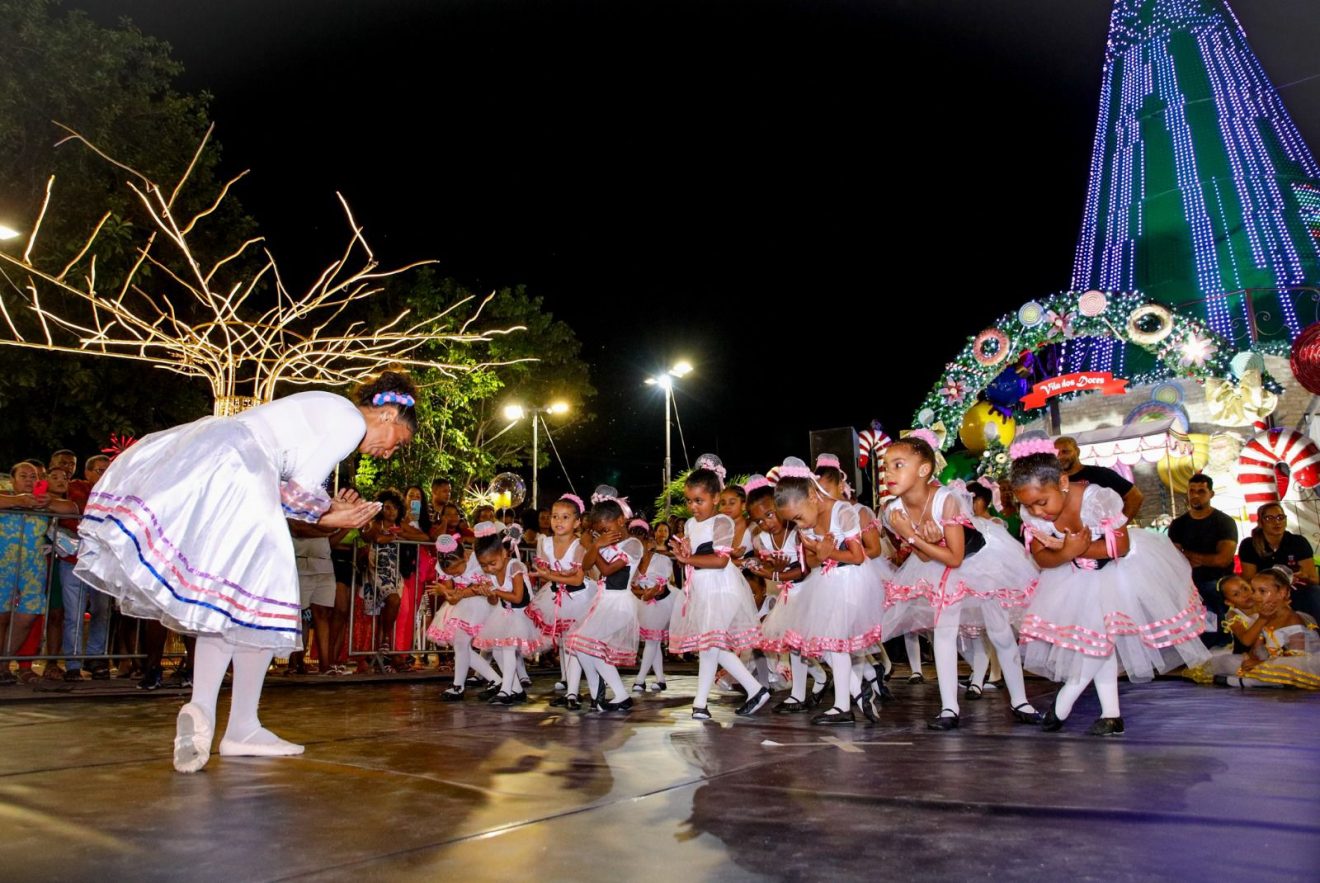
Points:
[(465, 660), (214, 655), (598, 670), (652, 658), (800, 668), (708, 665), (946, 661), (913, 646), (509, 682), (1104, 672)]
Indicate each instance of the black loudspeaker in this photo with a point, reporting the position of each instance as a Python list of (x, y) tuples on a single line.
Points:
[(842, 443)]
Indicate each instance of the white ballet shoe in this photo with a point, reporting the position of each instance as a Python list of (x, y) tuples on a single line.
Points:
[(277, 748), (192, 739)]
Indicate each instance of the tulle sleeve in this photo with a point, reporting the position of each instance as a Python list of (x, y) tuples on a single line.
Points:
[(662, 568), (1033, 526), (846, 524), (722, 533), (1102, 510)]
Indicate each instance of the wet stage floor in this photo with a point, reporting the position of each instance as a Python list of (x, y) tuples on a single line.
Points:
[(395, 785)]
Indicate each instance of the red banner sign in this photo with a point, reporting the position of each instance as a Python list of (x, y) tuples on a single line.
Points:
[(1084, 381)]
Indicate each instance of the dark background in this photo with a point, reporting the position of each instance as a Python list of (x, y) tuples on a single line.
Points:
[(815, 202)]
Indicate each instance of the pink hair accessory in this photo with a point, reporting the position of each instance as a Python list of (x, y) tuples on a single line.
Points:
[(637, 522), (714, 464), (927, 436), (1027, 447), (828, 461), (756, 482), (576, 501), (796, 472), (445, 544), (622, 501), (992, 486), (486, 529)]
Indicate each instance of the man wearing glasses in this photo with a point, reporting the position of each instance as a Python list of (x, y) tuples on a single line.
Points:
[(1207, 538)]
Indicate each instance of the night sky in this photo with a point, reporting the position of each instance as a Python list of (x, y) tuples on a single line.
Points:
[(815, 202)]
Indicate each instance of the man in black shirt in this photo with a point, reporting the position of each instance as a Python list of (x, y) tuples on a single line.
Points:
[(1207, 538), (1076, 472)]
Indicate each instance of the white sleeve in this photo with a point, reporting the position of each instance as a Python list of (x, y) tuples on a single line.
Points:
[(723, 531), (663, 567), (1102, 509), (848, 525)]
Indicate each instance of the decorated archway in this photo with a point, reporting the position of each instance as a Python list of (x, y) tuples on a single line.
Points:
[(991, 365)]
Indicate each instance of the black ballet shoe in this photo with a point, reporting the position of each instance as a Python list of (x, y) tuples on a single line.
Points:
[(973, 692), (1027, 717), (501, 698), (867, 702), (598, 702), (700, 713), (815, 696), (1220, 680), (559, 702), (790, 706), (658, 687), (572, 702), (492, 688), (944, 723), (754, 703), (916, 678), (834, 717), (519, 697), (1106, 726), (884, 694), (453, 694), (1051, 722), (625, 705), (639, 687)]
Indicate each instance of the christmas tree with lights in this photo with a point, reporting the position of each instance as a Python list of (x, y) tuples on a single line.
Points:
[(1203, 195)]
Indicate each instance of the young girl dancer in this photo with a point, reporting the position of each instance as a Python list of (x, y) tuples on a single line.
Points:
[(1097, 607), (509, 631), (462, 615), (1286, 652), (716, 617), (840, 610), (566, 594), (607, 637), (961, 572), (1241, 622), (652, 587), (779, 561)]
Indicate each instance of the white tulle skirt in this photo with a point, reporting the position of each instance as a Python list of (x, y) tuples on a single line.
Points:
[(715, 610), (511, 627), (1143, 606), (186, 527), (782, 618), (610, 629), (840, 610), (468, 615), (555, 610), (653, 620), (992, 587)]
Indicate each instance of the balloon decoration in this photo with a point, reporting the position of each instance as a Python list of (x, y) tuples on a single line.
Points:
[(1305, 359), (959, 465), (1007, 389), (1177, 468), (1272, 460), (982, 423), (507, 490)]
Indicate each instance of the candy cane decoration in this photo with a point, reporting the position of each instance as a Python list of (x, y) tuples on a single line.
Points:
[(1258, 465)]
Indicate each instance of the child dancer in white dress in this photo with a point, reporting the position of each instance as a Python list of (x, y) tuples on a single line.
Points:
[(841, 607), (508, 632), (962, 571), (716, 616), (607, 636), (779, 561), (566, 594), (652, 586), (462, 615), (1109, 597)]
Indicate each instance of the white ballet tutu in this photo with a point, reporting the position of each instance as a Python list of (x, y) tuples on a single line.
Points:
[(555, 610), (609, 631), (992, 587), (1143, 605), (187, 527), (653, 621), (716, 610), (468, 615), (1301, 671), (511, 627), (780, 621), (840, 609)]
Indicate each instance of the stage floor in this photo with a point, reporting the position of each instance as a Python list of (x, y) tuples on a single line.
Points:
[(395, 785)]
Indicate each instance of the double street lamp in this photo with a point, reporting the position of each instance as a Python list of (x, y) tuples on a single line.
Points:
[(514, 413), (666, 382)]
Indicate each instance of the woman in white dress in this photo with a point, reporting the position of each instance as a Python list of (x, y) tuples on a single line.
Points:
[(188, 527)]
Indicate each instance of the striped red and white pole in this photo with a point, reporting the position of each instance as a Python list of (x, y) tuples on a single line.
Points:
[(1273, 459)]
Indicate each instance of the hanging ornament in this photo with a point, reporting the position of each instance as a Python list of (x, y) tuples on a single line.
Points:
[(983, 423), (1149, 324), (1092, 304), (1305, 358), (1031, 314), (990, 347)]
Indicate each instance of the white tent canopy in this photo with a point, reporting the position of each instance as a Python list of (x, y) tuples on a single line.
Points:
[(1133, 443)]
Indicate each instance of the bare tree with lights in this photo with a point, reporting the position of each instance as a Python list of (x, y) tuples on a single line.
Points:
[(202, 320)]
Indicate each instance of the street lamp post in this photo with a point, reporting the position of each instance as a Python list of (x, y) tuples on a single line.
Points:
[(514, 413), (666, 382)]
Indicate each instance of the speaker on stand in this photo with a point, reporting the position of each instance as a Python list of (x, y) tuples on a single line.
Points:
[(842, 443)]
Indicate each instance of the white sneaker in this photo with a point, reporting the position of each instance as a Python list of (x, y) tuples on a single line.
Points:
[(192, 739)]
